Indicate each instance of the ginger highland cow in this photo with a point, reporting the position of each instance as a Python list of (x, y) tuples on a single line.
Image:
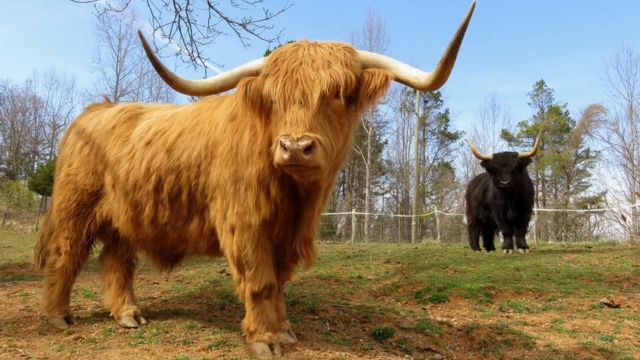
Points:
[(243, 175)]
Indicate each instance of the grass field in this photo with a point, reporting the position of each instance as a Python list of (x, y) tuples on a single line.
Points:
[(378, 301)]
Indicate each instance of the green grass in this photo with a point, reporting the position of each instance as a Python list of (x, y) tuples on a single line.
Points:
[(517, 306), (479, 294), (428, 327), (404, 344), (335, 338), (372, 299), (88, 293), (383, 333), (216, 344), (16, 247), (607, 338)]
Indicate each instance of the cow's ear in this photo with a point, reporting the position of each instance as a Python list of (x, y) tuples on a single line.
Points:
[(373, 85), (524, 162), (485, 164), (250, 91)]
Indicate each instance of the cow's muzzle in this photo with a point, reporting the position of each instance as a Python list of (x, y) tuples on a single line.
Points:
[(300, 151), (296, 155)]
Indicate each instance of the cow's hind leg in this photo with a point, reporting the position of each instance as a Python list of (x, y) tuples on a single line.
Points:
[(67, 252), (488, 233), (474, 236), (118, 260)]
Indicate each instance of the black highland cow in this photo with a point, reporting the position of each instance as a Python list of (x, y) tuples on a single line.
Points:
[(500, 199)]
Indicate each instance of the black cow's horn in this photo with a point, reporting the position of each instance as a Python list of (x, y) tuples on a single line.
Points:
[(478, 154), (532, 152)]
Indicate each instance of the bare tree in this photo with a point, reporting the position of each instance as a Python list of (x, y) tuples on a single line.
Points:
[(371, 37), (60, 103), (125, 73), (60, 98), (115, 59), (493, 117), (193, 24), (400, 159), (620, 134), (20, 111)]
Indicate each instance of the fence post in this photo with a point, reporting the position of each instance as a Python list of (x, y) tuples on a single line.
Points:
[(435, 210), (637, 207), (535, 225), (353, 225), (589, 223)]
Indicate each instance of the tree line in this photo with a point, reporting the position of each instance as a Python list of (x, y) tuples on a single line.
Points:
[(35, 113), (408, 154)]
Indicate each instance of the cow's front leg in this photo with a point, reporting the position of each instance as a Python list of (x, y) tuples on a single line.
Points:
[(488, 233), (285, 333), (521, 242), (257, 286), (507, 244), (260, 324)]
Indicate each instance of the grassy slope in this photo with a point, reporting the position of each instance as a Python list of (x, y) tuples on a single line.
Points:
[(356, 302)]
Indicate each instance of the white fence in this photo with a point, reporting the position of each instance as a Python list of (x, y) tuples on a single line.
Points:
[(561, 225)]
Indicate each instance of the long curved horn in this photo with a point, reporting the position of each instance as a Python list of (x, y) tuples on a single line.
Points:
[(213, 85), (478, 154), (416, 78), (534, 150)]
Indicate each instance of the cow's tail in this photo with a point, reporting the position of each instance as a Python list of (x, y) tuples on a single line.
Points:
[(41, 248)]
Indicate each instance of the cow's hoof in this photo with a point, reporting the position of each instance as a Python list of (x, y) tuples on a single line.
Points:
[(128, 322), (61, 322), (287, 337), (264, 351), (507, 251), (523, 251), (132, 321)]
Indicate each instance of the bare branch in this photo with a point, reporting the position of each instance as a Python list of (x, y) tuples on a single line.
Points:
[(194, 24)]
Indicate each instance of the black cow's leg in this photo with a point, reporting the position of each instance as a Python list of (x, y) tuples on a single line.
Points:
[(474, 237), (521, 241), (488, 233), (507, 244)]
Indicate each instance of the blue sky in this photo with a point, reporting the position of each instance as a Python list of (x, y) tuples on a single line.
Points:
[(510, 44)]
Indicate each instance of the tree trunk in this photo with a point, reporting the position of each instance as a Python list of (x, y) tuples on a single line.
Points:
[(4, 218), (367, 176), (416, 173), (40, 209)]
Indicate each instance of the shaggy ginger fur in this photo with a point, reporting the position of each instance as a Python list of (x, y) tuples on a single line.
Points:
[(178, 180)]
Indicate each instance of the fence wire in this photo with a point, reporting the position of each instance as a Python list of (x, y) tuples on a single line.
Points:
[(546, 225)]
